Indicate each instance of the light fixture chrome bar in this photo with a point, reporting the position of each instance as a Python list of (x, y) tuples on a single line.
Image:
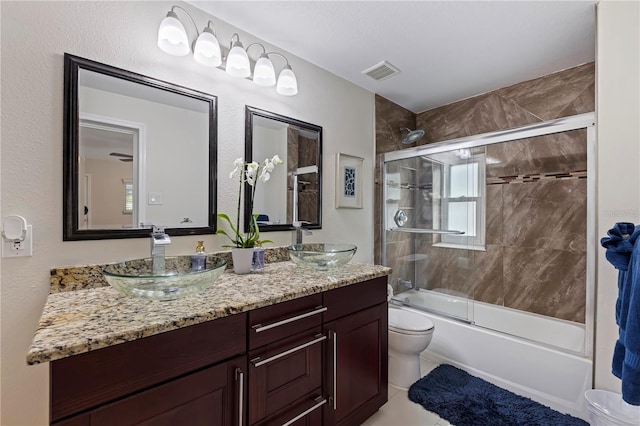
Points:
[(426, 231), (173, 39)]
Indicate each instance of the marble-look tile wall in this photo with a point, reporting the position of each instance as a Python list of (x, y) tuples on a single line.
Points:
[(535, 257), (301, 152), (557, 95)]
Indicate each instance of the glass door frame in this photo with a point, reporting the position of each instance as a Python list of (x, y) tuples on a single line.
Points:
[(575, 122)]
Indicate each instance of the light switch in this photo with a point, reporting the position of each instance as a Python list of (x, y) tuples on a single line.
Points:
[(155, 198)]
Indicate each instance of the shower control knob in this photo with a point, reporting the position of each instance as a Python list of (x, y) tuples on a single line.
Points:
[(400, 218)]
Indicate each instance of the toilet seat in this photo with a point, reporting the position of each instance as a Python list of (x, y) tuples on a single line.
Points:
[(405, 322)]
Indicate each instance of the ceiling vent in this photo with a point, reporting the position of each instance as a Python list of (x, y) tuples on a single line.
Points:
[(381, 71)]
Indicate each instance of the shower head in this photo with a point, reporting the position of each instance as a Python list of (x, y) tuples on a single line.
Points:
[(412, 135)]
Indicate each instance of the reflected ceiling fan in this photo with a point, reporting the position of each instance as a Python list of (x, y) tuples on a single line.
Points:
[(127, 158)]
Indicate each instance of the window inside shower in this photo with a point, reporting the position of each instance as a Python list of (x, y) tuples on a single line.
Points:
[(496, 221)]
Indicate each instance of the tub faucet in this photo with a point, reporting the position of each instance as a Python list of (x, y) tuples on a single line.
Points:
[(159, 239), (299, 230)]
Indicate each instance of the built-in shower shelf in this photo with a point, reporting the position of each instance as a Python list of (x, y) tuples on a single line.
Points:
[(408, 168), (393, 200)]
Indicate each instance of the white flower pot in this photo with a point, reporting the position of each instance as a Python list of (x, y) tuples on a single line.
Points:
[(242, 258)]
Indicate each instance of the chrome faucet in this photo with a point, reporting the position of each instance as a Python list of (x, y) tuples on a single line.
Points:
[(159, 239), (299, 230)]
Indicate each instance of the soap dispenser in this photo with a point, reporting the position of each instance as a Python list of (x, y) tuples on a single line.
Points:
[(199, 260), (258, 257)]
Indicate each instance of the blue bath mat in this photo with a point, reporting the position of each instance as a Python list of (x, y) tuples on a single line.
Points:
[(465, 400)]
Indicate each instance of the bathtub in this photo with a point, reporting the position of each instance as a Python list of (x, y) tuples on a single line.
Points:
[(531, 355)]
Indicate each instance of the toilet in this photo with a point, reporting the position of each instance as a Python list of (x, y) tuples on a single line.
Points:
[(409, 334)]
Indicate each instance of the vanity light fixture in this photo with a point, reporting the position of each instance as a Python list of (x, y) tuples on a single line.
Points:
[(173, 40), (206, 50), (238, 64)]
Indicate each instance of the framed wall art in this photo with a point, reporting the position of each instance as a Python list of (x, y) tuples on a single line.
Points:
[(349, 181)]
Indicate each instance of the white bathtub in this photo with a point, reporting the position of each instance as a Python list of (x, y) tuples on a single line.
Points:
[(545, 364)]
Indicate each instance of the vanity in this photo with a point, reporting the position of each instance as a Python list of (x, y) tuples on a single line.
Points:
[(285, 346)]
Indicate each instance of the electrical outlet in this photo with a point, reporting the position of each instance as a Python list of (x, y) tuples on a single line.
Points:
[(19, 248)]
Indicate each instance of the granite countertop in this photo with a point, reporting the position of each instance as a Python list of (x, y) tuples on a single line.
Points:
[(79, 321)]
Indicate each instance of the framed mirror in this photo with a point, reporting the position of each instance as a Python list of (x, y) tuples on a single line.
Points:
[(295, 190), (137, 152)]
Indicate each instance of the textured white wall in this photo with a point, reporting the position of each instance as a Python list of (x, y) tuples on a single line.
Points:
[(34, 37), (618, 109)]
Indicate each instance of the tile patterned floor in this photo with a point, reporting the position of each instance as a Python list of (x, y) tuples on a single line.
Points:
[(400, 411)]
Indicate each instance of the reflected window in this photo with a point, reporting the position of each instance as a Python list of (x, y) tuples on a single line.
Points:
[(464, 202), (128, 197)]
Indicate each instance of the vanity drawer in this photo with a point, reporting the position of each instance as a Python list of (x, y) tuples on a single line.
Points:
[(284, 319), (93, 378), (306, 412), (282, 372), (352, 298)]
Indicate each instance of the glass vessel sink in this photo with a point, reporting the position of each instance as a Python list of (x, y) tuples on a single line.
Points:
[(321, 255), (135, 277)]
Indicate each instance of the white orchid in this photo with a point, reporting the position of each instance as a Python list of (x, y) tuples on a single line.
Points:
[(252, 170), (264, 175), (249, 173), (239, 164)]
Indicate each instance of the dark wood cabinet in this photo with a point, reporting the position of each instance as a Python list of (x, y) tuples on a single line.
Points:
[(188, 373), (356, 369), (211, 397), (316, 360)]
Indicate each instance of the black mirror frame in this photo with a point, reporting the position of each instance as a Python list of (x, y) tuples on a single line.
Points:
[(251, 112), (71, 231)]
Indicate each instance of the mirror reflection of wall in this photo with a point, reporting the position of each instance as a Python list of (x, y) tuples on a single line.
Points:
[(299, 145), (138, 152), (108, 100)]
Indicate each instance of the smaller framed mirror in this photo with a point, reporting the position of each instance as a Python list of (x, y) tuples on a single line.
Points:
[(295, 190)]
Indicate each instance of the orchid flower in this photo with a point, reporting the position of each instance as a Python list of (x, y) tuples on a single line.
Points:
[(250, 173)]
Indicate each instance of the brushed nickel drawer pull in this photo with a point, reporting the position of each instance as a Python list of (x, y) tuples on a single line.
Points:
[(259, 327), (240, 379), (334, 335), (257, 362), (304, 413)]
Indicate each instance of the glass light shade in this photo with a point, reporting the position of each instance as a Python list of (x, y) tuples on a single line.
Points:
[(238, 62), (263, 73), (206, 51), (172, 37), (287, 82)]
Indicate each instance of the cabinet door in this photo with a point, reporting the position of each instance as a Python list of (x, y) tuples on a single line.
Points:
[(356, 368), (284, 372), (212, 397)]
